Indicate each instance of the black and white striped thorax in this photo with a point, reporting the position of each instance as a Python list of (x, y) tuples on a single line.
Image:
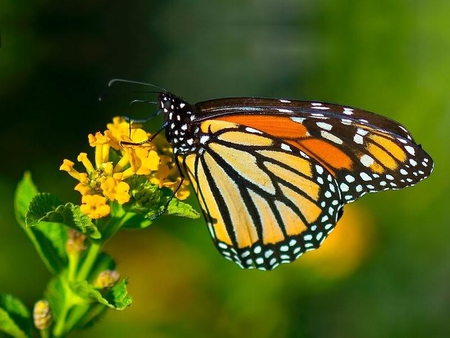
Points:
[(181, 130)]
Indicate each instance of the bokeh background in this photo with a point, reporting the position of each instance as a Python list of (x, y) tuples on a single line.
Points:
[(384, 272)]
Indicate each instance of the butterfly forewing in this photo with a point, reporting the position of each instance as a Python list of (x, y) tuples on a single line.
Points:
[(272, 175), (365, 152)]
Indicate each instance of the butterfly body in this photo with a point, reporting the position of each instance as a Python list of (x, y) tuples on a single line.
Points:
[(272, 175)]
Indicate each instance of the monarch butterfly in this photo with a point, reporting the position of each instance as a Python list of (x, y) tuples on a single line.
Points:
[(272, 175)]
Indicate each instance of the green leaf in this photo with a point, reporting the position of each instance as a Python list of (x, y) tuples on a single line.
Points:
[(25, 192), (40, 205), (46, 208), (49, 240), (182, 209), (14, 317), (116, 297), (56, 293)]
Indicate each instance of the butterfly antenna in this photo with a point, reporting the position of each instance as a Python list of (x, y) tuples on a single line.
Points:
[(142, 101), (110, 83)]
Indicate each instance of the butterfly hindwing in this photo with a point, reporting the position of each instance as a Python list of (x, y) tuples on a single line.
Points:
[(265, 202)]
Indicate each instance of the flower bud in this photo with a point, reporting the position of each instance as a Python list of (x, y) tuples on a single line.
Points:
[(107, 279), (42, 315), (75, 243)]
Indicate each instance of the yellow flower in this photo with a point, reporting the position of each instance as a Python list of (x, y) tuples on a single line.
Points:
[(68, 166), (116, 190), (105, 182), (118, 131), (142, 161), (95, 206)]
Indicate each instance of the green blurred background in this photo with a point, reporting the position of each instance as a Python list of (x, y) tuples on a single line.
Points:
[(386, 269)]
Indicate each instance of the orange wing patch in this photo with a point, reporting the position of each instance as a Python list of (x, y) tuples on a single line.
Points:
[(295, 134), (281, 127), (332, 157)]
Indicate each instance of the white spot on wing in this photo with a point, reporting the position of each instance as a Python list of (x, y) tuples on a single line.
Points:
[(349, 178), (252, 130), (361, 131), (298, 119), (204, 139), (410, 150), (344, 187), (324, 125), (318, 105), (365, 177), (330, 137), (348, 111), (281, 110), (366, 160), (284, 146), (358, 139), (346, 122)]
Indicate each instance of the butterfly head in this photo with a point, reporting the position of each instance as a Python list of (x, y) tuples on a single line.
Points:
[(180, 128)]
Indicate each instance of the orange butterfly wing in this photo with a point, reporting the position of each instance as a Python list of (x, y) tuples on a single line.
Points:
[(273, 175)]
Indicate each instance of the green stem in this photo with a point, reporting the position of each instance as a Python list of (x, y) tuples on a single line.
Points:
[(60, 325), (89, 261), (74, 260), (76, 314), (80, 270), (114, 225), (45, 333)]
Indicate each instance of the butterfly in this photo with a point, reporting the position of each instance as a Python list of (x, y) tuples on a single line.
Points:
[(272, 175)]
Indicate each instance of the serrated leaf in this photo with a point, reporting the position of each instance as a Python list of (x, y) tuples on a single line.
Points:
[(182, 209), (14, 317), (118, 295), (116, 298), (83, 223), (46, 208), (25, 192), (40, 205)]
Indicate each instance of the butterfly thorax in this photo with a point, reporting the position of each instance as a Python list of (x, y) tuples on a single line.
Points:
[(181, 131)]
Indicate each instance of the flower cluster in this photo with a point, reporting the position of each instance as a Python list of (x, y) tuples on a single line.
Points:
[(120, 153)]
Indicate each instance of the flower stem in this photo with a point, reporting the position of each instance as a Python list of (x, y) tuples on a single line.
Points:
[(74, 259), (60, 326), (89, 261)]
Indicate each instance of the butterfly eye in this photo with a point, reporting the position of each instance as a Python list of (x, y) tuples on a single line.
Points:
[(167, 105)]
